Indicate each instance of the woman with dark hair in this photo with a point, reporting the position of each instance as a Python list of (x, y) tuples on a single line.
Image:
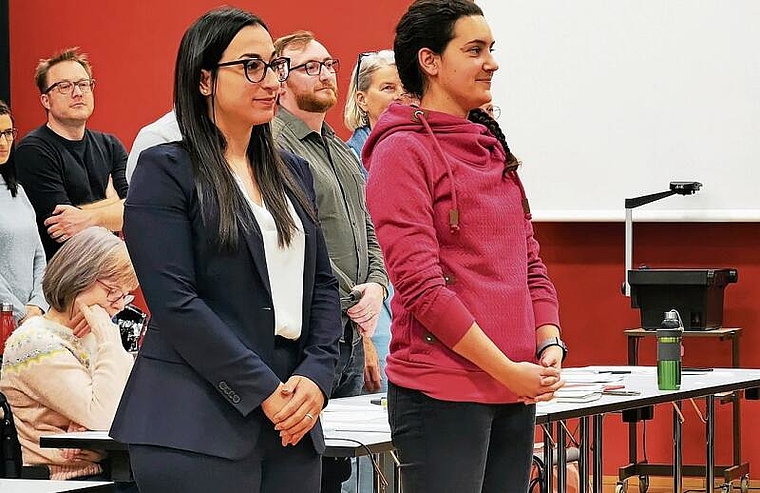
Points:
[(241, 349), (475, 335), (22, 259)]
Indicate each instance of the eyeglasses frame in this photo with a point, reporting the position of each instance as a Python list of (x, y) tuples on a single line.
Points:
[(268, 66), (359, 65), (13, 134), (127, 297), (334, 62), (73, 84)]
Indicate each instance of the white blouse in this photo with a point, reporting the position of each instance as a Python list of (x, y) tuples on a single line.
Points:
[(285, 266)]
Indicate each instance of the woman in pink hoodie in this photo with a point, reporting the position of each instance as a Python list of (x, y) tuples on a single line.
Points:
[(476, 328)]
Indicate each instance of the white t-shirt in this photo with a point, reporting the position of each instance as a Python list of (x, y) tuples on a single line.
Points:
[(161, 131)]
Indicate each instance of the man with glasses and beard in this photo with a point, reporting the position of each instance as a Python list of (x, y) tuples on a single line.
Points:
[(74, 176), (307, 95)]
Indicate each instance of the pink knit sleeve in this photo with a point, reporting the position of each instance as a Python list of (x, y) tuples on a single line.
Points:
[(400, 200), (87, 397), (542, 291)]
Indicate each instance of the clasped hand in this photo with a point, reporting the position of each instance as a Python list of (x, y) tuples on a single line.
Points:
[(81, 455), (294, 408), (534, 383)]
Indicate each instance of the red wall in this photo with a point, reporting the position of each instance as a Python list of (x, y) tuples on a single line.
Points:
[(132, 45)]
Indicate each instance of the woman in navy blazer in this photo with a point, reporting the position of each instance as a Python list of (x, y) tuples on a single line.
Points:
[(241, 349)]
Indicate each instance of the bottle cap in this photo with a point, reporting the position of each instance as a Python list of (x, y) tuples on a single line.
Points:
[(672, 315)]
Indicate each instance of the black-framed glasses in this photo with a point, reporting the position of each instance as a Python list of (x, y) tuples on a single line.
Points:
[(314, 67), (114, 294), (9, 134), (256, 69), (66, 87)]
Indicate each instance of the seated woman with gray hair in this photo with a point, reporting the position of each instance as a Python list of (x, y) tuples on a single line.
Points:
[(66, 370)]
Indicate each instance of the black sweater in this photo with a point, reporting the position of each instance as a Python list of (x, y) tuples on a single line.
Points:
[(55, 170)]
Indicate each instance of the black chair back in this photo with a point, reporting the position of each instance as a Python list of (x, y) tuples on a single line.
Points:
[(10, 448)]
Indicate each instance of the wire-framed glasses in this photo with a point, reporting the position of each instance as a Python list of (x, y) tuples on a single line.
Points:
[(256, 69), (314, 67), (114, 294), (66, 87), (492, 110)]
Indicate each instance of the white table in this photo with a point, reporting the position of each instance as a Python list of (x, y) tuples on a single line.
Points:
[(353, 427), (644, 379), (47, 486)]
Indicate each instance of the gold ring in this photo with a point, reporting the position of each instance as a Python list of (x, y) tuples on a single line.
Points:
[(308, 415)]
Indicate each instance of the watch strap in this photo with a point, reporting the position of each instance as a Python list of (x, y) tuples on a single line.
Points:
[(552, 341)]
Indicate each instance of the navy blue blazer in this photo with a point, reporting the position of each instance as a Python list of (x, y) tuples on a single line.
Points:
[(205, 364)]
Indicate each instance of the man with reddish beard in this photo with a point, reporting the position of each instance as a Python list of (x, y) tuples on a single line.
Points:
[(307, 95), (74, 176)]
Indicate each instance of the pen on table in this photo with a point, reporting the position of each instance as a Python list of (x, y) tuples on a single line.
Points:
[(615, 372), (622, 392)]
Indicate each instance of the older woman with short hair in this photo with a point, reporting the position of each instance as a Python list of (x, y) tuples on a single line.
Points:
[(374, 85), (66, 370)]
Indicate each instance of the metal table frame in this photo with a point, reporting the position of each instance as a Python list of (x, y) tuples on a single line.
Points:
[(595, 412), (737, 469)]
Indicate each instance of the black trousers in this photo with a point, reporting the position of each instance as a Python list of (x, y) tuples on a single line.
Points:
[(270, 468), (460, 446)]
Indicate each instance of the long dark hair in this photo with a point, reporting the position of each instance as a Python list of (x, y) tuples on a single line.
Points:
[(427, 24), (201, 48), (479, 116), (8, 170)]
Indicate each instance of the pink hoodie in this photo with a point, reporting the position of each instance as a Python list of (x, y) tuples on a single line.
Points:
[(459, 247)]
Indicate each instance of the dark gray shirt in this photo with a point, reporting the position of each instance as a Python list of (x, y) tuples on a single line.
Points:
[(348, 229)]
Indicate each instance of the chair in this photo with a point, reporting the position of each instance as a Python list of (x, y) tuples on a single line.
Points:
[(538, 478), (11, 465)]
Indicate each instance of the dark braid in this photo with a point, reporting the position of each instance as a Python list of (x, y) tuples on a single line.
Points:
[(479, 116)]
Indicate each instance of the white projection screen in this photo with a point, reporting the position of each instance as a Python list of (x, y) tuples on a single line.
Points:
[(604, 100)]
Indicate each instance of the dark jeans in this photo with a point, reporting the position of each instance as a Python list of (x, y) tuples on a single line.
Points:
[(349, 380), (349, 375), (460, 446)]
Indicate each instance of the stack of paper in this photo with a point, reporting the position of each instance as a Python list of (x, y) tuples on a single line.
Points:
[(579, 392)]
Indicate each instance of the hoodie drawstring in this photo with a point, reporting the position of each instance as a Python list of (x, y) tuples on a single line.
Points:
[(454, 211)]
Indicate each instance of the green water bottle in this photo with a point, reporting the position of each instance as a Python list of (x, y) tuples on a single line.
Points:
[(669, 337)]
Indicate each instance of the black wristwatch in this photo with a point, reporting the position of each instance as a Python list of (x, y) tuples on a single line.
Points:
[(553, 341)]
